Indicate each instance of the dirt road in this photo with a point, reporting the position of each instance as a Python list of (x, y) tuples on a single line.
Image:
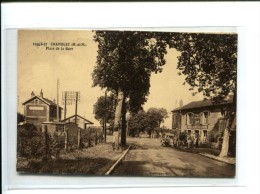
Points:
[(148, 158)]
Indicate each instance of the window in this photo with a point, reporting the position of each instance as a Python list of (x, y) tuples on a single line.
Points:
[(176, 121), (204, 118), (205, 136), (189, 118)]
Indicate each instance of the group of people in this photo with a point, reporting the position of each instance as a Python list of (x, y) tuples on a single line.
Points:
[(189, 140), (193, 140)]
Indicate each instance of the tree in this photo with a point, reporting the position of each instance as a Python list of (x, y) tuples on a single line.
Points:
[(158, 115), (155, 117), (209, 62), (105, 107), (124, 58), (137, 123), (29, 141), (147, 121)]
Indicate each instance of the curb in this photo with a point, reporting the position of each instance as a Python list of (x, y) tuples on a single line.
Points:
[(211, 157), (112, 168), (217, 159)]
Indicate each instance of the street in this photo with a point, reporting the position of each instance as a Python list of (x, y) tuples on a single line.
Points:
[(148, 158)]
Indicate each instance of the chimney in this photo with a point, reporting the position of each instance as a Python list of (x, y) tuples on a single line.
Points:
[(41, 94), (54, 101), (32, 94), (181, 103)]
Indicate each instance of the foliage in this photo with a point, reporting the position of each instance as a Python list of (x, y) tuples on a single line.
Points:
[(20, 117), (209, 62), (91, 136), (157, 115), (146, 121), (125, 62), (162, 130), (30, 141), (127, 57), (57, 143), (137, 123), (183, 136), (105, 107)]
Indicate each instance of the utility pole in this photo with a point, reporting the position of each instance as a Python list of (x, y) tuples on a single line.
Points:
[(58, 100), (65, 106), (76, 108)]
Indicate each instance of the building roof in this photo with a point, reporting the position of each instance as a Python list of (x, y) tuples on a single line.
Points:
[(57, 123), (202, 103), (49, 101), (45, 100), (86, 120)]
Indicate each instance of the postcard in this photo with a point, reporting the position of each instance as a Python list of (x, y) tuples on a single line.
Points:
[(127, 103)]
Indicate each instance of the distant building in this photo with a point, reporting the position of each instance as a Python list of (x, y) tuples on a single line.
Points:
[(201, 119), (81, 121), (38, 109)]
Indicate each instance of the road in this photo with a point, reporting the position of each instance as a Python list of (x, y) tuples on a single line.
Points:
[(148, 158)]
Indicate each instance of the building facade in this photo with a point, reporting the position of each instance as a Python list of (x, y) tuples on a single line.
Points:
[(38, 109), (202, 120)]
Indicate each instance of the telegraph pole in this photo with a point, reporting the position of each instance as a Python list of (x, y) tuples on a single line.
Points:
[(65, 106), (76, 108), (58, 100)]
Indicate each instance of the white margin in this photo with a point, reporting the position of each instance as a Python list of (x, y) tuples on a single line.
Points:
[(242, 15)]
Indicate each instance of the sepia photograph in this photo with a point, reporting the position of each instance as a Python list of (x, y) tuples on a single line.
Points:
[(127, 103)]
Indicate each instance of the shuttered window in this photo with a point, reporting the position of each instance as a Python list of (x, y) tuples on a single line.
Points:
[(189, 118), (204, 118)]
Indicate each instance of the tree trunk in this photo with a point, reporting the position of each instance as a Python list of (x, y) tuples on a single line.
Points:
[(225, 142), (232, 139), (226, 136), (123, 132), (118, 114)]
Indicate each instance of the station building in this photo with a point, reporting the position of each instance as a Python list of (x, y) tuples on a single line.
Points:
[(38, 109)]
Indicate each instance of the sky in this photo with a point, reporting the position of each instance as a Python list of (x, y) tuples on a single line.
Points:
[(39, 67)]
